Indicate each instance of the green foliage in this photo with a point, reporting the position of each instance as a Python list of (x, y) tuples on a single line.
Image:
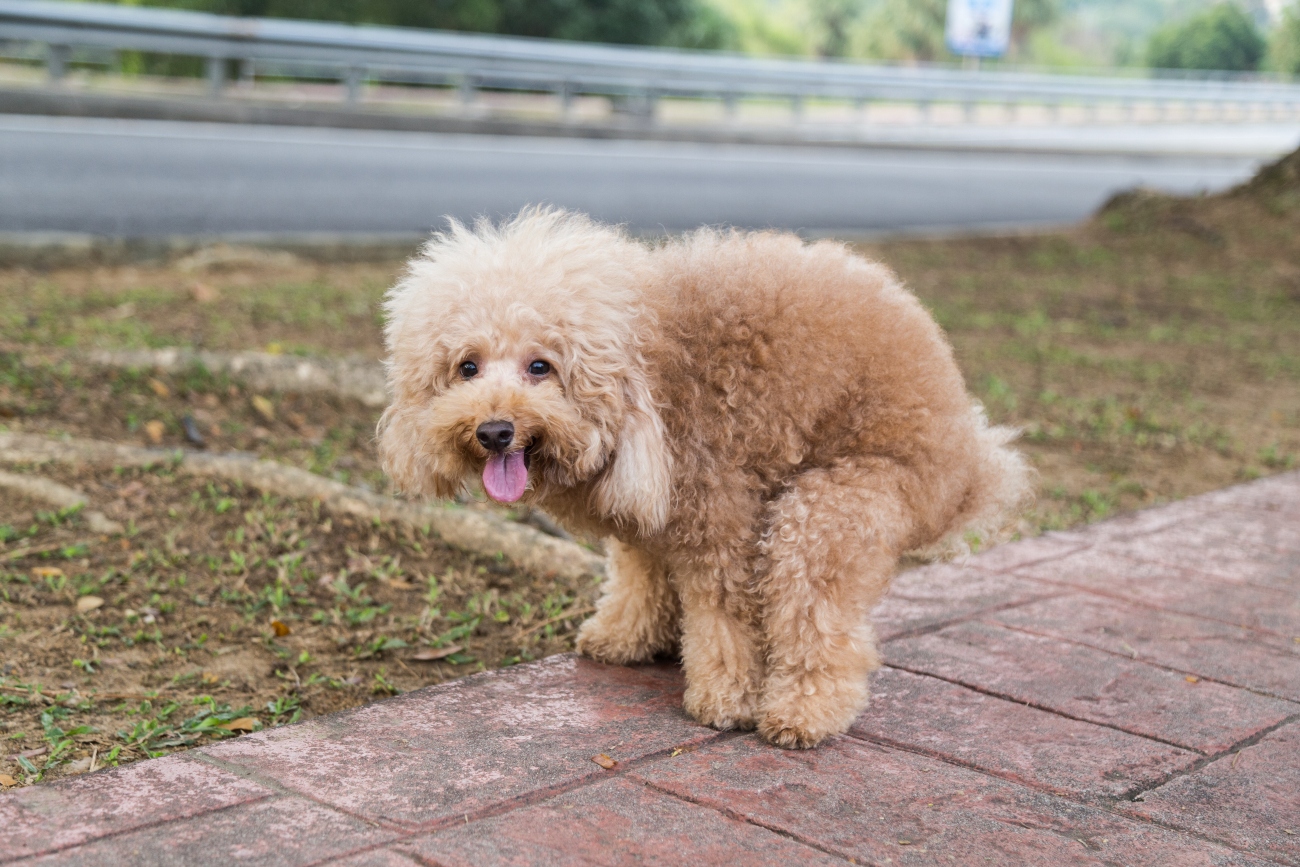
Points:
[(1221, 38), (834, 20), (903, 30), (1284, 43), (687, 23)]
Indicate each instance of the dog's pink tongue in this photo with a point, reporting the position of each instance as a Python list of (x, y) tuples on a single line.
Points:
[(505, 476)]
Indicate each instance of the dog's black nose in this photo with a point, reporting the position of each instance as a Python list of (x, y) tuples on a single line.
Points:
[(495, 436)]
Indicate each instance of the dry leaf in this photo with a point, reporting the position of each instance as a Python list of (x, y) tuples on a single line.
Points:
[(160, 388), (1191, 678), (281, 628), (88, 603), (399, 584), (604, 761), (243, 724), (429, 654), (154, 430), (47, 571), (263, 408), (80, 766), (7, 781)]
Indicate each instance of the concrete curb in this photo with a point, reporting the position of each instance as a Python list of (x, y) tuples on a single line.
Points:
[(354, 378), (476, 532)]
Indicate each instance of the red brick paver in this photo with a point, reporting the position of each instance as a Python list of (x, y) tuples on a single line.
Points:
[(438, 755), (1124, 694), (1043, 749), (1250, 799)]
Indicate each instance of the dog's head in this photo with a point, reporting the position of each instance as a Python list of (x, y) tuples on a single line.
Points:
[(514, 358)]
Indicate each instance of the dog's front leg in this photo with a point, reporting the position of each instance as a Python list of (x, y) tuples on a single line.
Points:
[(637, 616), (721, 652)]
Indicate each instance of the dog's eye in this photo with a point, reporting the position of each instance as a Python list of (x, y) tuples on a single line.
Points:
[(539, 368), (468, 370)]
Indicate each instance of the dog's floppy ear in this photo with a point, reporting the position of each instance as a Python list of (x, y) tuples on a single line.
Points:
[(637, 484), (406, 458)]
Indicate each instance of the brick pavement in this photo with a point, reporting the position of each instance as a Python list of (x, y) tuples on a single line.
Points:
[(1124, 694)]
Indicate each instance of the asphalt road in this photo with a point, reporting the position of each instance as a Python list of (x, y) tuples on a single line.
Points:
[(128, 178)]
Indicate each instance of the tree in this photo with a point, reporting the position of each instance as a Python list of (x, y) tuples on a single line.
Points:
[(687, 23), (903, 30), (832, 20), (1223, 38), (1284, 43)]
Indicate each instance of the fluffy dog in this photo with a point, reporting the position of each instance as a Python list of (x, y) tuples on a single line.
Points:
[(757, 426)]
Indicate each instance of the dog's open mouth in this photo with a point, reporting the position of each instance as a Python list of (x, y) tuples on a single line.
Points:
[(505, 476)]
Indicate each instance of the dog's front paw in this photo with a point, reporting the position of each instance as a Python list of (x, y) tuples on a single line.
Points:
[(801, 721), (788, 734), (611, 642), (726, 708)]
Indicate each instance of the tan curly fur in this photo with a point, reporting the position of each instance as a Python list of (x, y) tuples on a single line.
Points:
[(758, 426)]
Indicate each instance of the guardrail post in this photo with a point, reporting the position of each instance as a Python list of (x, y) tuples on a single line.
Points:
[(56, 61), (216, 75), (352, 79), (796, 107), (565, 93), (247, 72), (466, 91), (730, 105)]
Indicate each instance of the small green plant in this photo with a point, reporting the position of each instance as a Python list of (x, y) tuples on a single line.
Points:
[(285, 710), (1274, 458)]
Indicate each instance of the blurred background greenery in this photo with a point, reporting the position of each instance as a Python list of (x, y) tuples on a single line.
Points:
[(1229, 35)]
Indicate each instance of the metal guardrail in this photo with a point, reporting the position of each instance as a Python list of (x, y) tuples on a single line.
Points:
[(356, 54)]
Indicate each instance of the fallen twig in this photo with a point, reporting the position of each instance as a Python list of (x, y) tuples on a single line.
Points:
[(567, 615), (30, 693)]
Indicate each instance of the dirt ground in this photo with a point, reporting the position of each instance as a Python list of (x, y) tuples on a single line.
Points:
[(222, 610), (1151, 354)]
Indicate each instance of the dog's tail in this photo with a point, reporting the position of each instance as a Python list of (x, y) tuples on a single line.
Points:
[(1003, 487)]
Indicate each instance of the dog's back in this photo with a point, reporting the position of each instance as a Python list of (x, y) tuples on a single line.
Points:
[(776, 356)]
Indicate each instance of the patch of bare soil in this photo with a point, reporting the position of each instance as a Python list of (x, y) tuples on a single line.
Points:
[(221, 610)]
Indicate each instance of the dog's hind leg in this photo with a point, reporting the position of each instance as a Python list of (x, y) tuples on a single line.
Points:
[(637, 615), (832, 544)]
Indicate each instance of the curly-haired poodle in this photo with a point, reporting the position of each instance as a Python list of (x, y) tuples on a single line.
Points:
[(759, 428)]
